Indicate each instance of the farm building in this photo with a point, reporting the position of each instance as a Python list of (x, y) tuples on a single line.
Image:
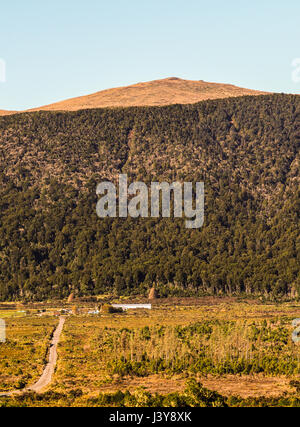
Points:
[(126, 307)]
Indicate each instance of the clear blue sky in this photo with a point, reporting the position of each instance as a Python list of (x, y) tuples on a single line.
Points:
[(61, 48)]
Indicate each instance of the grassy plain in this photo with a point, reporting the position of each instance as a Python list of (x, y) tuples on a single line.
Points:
[(240, 348), (23, 355)]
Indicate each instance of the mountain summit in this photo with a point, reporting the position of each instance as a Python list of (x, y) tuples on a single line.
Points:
[(154, 93), (158, 92)]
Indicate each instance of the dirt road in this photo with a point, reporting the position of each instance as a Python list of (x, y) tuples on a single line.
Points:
[(46, 376)]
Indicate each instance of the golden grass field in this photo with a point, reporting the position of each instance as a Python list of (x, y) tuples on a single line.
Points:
[(178, 330), (23, 356)]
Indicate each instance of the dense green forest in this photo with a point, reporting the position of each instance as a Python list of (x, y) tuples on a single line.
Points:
[(246, 150)]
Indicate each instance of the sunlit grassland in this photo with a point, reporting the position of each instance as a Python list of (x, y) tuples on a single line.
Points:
[(4, 314), (111, 352), (23, 355)]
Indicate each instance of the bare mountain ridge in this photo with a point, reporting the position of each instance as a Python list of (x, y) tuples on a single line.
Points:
[(155, 93), (6, 112)]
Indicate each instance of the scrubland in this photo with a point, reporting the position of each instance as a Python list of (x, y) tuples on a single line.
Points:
[(219, 351)]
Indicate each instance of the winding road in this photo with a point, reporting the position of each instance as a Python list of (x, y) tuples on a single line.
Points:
[(46, 376)]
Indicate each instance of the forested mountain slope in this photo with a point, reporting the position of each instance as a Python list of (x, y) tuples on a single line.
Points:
[(246, 150)]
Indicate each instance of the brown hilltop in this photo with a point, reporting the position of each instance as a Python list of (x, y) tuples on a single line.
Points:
[(157, 92), (6, 113)]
